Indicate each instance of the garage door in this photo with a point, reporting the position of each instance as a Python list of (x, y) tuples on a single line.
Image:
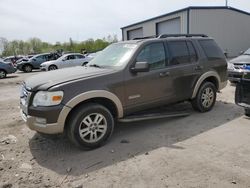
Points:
[(172, 26), (136, 33)]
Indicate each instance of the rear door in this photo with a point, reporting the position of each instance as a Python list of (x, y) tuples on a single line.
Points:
[(184, 68)]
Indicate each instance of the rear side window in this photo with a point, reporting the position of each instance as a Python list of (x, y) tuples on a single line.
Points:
[(154, 54), (179, 52), (211, 49), (79, 56)]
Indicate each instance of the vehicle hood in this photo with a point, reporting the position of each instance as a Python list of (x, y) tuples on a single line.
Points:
[(47, 63), (45, 80), (241, 59)]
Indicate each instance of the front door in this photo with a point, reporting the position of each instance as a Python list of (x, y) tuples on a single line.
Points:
[(148, 88)]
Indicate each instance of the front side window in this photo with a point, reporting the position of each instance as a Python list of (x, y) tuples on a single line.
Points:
[(211, 49), (70, 57), (179, 52), (154, 54)]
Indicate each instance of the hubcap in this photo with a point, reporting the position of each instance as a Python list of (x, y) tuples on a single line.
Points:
[(207, 97), (28, 68), (52, 68), (2, 74), (93, 127)]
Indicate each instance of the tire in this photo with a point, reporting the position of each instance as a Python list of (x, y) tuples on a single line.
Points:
[(247, 112), (52, 67), (27, 68), (83, 119), (85, 63), (205, 98), (3, 74)]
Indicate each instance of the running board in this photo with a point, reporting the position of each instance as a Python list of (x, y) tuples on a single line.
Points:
[(144, 117)]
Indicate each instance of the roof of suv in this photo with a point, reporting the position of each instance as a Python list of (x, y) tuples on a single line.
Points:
[(168, 36)]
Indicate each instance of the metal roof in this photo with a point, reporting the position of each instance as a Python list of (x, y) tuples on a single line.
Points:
[(187, 9)]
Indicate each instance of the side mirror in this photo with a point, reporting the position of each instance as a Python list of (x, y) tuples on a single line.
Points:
[(64, 59), (140, 67), (241, 52), (34, 59)]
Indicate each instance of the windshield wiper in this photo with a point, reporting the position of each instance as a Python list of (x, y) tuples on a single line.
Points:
[(246, 54)]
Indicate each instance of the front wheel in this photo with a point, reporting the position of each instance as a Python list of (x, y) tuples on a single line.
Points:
[(205, 98), (90, 126), (2, 74), (52, 67), (27, 68)]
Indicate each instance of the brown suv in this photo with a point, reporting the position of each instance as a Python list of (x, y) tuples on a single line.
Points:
[(127, 77)]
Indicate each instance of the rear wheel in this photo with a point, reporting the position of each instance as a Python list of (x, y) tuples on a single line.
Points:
[(2, 74), (205, 98), (27, 68), (90, 126), (52, 67)]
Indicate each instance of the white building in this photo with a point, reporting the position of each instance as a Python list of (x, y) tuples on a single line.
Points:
[(230, 27)]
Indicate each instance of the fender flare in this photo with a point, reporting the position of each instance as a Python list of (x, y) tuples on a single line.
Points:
[(202, 78), (89, 95)]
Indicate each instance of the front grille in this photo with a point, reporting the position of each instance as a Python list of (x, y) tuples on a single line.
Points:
[(24, 96), (239, 66)]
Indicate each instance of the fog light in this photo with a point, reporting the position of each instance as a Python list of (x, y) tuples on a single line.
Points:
[(40, 121)]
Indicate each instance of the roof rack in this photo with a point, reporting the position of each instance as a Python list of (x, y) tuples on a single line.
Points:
[(181, 35), (148, 37)]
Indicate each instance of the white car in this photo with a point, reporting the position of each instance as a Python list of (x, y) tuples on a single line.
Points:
[(67, 60)]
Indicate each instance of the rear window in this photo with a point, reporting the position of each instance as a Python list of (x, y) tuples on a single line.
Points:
[(211, 49)]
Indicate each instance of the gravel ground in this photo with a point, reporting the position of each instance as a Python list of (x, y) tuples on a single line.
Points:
[(201, 150)]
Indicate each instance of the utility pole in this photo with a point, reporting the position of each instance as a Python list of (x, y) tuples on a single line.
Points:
[(226, 3)]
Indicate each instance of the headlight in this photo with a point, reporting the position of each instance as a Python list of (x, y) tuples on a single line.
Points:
[(230, 66), (46, 98)]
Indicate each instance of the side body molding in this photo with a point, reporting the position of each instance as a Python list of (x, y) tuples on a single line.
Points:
[(89, 95), (203, 77)]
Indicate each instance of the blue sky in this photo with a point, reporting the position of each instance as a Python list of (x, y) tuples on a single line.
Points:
[(58, 20)]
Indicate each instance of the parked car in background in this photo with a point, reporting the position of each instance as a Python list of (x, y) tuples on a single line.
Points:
[(6, 68), (67, 60), (25, 58), (242, 93), (13, 59), (236, 66), (124, 79), (36, 61)]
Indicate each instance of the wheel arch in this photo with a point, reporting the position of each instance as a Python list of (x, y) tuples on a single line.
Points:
[(105, 98), (210, 76)]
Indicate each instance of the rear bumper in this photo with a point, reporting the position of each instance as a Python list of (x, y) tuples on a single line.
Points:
[(12, 70)]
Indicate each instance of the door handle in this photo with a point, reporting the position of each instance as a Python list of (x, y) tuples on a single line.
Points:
[(164, 74), (198, 68)]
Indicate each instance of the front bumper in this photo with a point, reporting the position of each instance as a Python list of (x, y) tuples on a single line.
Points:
[(235, 75), (34, 124)]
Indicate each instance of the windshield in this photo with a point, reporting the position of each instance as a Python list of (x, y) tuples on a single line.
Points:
[(247, 52), (115, 55)]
